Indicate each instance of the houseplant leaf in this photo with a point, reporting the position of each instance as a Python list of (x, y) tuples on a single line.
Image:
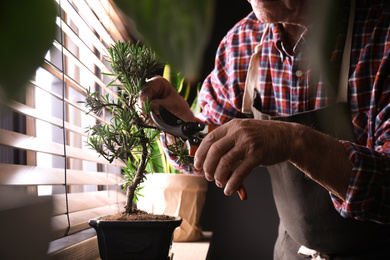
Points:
[(27, 32), (176, 30)]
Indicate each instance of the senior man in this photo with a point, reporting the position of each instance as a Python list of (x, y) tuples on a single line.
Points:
[(328, 155)]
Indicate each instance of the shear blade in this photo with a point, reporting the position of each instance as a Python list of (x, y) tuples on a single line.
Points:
[(167, 128), (168, 117)]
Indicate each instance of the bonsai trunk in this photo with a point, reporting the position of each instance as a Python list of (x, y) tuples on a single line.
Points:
[(137, 180)]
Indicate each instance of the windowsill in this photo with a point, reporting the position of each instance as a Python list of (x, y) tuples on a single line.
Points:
[(71, 240), (192, 250), (83, 245), (80, 245)]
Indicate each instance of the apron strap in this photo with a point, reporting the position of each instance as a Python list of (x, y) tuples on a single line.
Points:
[(252, 78)]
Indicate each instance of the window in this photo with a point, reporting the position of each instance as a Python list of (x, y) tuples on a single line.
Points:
[(43, 147)]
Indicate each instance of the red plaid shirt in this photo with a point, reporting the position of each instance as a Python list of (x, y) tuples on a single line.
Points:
[(287, 87)]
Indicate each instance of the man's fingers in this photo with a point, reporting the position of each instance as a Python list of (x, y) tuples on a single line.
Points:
[(214, 148), (226, 165), (227, 156), (156, 88), (219, 156), (238, 176), (158, 91)]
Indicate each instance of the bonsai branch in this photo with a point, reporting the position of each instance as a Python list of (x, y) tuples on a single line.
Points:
[(139, 176)]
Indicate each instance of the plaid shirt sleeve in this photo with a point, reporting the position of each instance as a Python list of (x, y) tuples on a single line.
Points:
[(216, 96), (368, 195)]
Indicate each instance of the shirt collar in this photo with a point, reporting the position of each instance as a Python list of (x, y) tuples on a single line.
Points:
[(279, 39)]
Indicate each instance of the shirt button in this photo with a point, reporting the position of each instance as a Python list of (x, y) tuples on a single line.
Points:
[(298, 73)]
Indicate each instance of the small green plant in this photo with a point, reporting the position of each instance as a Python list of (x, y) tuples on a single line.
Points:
[(129, 136)]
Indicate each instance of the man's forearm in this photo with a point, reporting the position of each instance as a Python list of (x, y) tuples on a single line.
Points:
[(322, 158)]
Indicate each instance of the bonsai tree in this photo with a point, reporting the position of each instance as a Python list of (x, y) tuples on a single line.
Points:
[(129, 136)]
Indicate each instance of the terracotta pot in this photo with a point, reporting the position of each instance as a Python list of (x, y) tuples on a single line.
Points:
[(135, 240)]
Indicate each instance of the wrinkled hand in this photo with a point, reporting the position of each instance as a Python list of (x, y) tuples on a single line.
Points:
[(160, 92), (229, 153)]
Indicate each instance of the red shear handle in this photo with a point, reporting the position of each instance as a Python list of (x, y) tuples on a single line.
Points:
[(192, 150), (211, 128), (242, 192)]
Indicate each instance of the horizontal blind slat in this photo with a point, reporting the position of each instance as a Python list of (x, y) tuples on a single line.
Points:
[(54, 70), (12, 174), (87, 200), (94, 22), (29, 111), (81, 44), (104, 17), (24, 142), (68, 102), (77, 62), (29, 143), (80, 23), (118, 19)]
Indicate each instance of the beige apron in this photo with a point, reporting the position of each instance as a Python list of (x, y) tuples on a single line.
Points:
[(308, 221)]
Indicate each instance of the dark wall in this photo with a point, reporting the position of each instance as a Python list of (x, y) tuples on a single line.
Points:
[(241, 229)]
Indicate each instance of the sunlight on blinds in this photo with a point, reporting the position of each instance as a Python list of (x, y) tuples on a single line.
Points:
[(48, 146)]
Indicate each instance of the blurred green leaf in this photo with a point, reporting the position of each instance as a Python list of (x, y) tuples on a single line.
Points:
[(177, 30), (27, 32)]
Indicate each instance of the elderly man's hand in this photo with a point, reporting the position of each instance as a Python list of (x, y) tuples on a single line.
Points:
[(229, 153), (160, 92)]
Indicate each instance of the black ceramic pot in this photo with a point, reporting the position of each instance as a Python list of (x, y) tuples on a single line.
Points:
[(134, 240)]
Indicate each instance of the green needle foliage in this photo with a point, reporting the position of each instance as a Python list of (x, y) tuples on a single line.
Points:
[(129, 136)]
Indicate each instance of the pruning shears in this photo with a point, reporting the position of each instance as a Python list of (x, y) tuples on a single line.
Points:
[(192, 133)]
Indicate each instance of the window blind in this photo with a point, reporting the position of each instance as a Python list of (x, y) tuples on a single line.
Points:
[(46, 152)]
